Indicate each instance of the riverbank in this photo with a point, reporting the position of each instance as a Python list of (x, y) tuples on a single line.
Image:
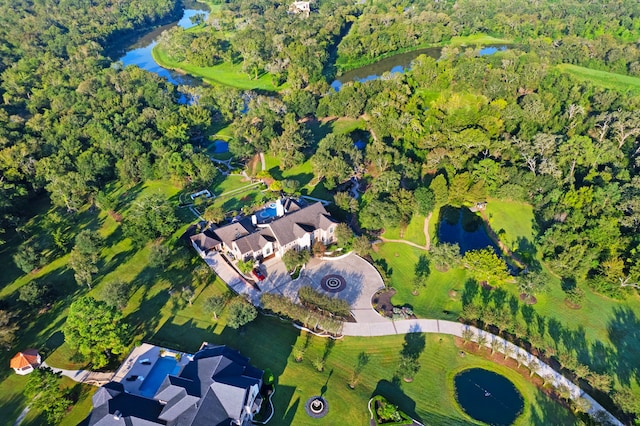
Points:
[(343, 65), (225, 73)]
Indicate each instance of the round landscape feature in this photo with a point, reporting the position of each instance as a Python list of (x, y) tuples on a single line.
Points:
[(333, 283), (316, 407), (488, 397)]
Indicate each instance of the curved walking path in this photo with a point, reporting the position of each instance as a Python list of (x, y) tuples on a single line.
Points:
[(426, 247), (385, 327)]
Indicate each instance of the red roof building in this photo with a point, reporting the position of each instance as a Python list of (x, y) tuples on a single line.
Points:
[(24, 362)]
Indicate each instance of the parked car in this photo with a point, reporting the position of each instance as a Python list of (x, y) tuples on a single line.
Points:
[(258, 274)]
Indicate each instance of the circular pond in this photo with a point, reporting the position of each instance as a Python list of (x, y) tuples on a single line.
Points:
[(488, 397)]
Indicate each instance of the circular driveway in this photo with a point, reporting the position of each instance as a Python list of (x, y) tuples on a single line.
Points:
[(361, 281)]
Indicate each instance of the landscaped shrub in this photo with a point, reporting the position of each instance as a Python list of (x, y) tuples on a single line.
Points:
[(268, 378), (314, 299), (283, 306), (388, 414)]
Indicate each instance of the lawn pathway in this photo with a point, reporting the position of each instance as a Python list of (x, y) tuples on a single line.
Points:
[(412, 244), (386, 327), (426, 231)]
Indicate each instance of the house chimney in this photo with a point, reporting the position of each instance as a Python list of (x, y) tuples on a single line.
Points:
[(117, 415), (279, 208)]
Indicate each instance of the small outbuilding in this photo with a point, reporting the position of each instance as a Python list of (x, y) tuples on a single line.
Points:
[(24, 362)]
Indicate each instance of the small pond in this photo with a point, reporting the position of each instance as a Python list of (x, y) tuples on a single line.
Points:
[(488, 397), (465, 228), (219, 147), (490, 50)]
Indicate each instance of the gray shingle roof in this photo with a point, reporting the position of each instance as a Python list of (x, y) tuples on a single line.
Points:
[(205, 240), (212, 389), (233, 231), (294, 225)]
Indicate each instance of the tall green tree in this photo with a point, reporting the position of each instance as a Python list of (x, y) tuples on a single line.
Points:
[(485, 266), (96, 330), (44, 393), (150, 217)]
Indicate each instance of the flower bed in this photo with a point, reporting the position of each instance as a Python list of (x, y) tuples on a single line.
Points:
[(387, 414)]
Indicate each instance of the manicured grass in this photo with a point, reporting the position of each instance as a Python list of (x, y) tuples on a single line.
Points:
[(225, 73), (513, 222), (413, 232), (609, 80), (477, 40), (433, 300)]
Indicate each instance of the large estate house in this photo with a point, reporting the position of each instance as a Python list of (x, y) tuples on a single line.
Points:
[(285, 225), (217, 386)]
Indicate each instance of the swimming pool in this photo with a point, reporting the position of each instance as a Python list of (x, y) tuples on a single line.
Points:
[(269, 212), (163, 367)]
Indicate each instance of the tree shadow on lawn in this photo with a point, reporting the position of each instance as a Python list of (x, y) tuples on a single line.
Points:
[(620, 358), (266, 341), (624, 332), (395, 395), (283, 397), (544, 411), (146, 319)]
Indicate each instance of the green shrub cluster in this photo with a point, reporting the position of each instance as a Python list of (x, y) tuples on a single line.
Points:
[(282, 306), (388, 414), (314, 299)]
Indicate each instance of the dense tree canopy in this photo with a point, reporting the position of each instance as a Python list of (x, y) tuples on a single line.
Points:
[(96, 330)]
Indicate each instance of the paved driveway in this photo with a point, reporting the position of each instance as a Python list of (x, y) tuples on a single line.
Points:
[(361, 278)]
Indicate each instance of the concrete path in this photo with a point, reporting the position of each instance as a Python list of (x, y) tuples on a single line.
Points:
[(83, 376), (262, 162), (22, 415), (385, 327), (412, 244)]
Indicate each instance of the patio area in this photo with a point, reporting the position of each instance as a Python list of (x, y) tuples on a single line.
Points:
[(137, 368)]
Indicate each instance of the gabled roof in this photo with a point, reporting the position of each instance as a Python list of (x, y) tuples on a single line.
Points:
[(25, 359), (205, 240), (252, 242), (212, 389), (229, 233), (294, 225)]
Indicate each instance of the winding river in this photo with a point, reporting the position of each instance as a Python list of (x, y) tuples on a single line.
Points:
[(139, 53)]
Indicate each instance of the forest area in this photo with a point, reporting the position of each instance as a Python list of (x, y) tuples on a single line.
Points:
[(80, 137)]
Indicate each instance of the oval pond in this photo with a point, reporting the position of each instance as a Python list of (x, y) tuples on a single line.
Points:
[(488, 397)]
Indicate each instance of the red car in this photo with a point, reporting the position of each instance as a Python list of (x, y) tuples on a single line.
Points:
[(259, 275)]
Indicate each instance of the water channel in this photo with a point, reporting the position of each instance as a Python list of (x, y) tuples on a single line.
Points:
[(398, 64), (139, 52)]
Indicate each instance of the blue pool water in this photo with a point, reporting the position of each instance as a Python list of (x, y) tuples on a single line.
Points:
[(163, 367), (267, 213)]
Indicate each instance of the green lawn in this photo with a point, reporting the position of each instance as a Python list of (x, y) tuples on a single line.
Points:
[(513, 222), (609, 80), (225, 73), (160, 318), (431, 301), (479, 39), (413, 232)]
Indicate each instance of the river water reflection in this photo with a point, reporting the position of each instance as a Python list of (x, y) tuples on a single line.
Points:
[(139, 53)]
